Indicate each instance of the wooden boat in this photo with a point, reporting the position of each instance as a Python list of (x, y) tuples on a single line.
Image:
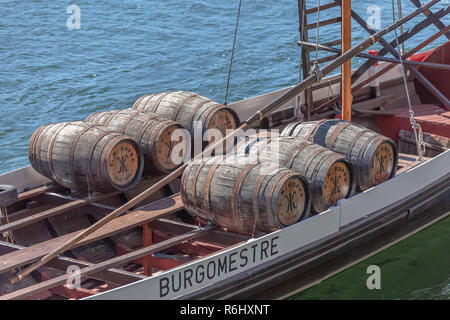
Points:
[(159, 251)]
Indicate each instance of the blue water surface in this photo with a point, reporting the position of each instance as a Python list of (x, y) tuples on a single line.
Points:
[(128, 48)]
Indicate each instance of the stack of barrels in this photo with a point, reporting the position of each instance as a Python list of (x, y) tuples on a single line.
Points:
[(373, 156), (269, 181), (111, 150), (266, 183)]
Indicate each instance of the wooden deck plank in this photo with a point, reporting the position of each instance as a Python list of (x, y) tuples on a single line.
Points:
[(114, 276), (22, 293), (53, 211), (33, 192), (156, 210)]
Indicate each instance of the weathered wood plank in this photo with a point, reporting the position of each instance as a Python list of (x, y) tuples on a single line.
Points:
[(321, 8), (373, 103), (323, 23), (115, 276), (158, 209), (53, 211), (33, 192), (107, 264)]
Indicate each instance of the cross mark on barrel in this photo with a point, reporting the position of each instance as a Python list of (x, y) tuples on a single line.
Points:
[(381, 168), (122, 161), (169, 147), (336, 181), (290, 198)]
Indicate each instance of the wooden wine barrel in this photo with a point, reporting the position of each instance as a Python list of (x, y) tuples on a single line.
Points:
[(85, 156), (241, 194), (330, 176), (152, 132), (186, 108), (373, 156)]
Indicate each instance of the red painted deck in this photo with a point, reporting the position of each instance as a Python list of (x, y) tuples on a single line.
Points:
[(433, 119)]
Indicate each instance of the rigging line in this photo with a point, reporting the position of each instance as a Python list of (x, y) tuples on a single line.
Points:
[(317, 30), (232, 52), (400, 16), (418, 134), (302, 16), (315, 68)]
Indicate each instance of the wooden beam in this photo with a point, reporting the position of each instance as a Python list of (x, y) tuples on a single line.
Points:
[(114, 276), (436, 22), (323, 47), (53, 211), (22, 293), (250, 122), (328, 58), (346, 69), (215, 237), (322, 7), (147, 241), (34, 192), (323, 23), (218, 237), (407, 35), (360, 86), (158, 209)]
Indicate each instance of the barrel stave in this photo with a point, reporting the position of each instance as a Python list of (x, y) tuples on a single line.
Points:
[(241, 194), (373, 156), (151, 131), (77, 155), (312, 162), (188, 109)]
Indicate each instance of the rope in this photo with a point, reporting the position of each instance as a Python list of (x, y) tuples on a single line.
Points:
[(418, 134), (315, 69), (232, 52)]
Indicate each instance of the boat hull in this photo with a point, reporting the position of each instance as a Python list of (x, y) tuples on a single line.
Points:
[(291, 259)]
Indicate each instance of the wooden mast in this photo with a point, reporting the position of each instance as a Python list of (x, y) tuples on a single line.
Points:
[(346, 69)]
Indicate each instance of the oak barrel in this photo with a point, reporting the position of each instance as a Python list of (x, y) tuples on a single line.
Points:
[(85, 156), (241, 194), (373, 156), (330, 176), (152, 132), (190, 109)]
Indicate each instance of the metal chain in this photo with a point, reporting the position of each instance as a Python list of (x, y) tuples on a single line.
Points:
[(417, 129)]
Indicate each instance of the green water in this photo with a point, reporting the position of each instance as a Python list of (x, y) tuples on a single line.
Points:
[(416, 268)]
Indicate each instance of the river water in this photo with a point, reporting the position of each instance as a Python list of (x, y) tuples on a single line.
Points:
[(55, 67)]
